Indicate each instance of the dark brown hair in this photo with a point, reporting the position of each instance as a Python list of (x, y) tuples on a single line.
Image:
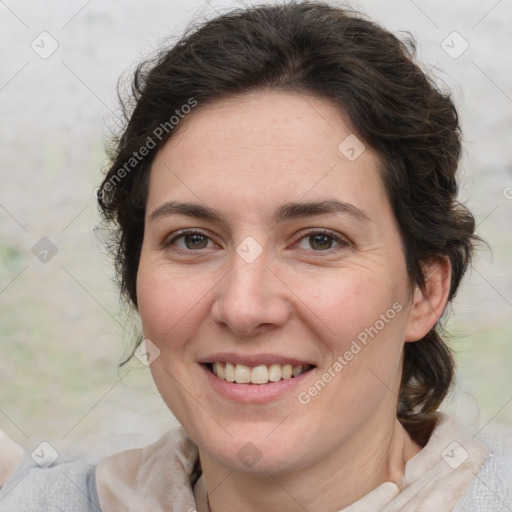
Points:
[(394, 107)]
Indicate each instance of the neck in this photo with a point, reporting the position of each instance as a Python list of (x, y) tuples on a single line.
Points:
[(374, 456)]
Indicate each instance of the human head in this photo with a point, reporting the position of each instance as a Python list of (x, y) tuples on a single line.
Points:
[(392, 106)]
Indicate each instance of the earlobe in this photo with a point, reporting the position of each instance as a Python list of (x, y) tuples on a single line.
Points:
[(429, 304)]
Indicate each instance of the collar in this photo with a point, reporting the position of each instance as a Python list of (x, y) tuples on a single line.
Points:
[(165, 476)]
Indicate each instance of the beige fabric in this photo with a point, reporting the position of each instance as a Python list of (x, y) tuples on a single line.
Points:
[(435, 478), (11, 454), (160, 477), (156, 478)]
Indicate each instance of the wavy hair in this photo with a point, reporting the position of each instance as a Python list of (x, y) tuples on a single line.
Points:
[(393, 106)]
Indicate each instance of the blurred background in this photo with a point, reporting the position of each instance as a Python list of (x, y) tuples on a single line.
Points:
[(62, 329)]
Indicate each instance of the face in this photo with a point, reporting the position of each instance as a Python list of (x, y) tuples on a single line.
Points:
[(261, 286)]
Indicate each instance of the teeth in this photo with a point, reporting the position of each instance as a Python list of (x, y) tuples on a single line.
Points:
[(297, 370), (261, 374), (229, 372), (218, 369), (242, 374), (274, 372), (287, 371)]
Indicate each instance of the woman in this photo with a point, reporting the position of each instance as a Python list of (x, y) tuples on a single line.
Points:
[(284, 200)]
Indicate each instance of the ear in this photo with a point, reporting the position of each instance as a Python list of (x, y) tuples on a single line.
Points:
[(428, 305)]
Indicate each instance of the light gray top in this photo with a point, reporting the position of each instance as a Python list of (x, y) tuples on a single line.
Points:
[(71, 486)]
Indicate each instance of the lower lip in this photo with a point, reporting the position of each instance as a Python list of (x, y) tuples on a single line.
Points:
[(253, 393)]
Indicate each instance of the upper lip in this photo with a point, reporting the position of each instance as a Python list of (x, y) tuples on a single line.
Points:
[(252, 359)]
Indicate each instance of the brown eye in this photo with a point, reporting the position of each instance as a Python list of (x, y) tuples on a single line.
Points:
[(189, 240), (322, 240), (196, 241)]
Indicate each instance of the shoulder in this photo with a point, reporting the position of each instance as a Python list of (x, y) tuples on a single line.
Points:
[(491, 488), (149, 478), (67, 485), (152, 478), (12, 455)]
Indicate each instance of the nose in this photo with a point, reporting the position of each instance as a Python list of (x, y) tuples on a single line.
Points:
[(251, 298)]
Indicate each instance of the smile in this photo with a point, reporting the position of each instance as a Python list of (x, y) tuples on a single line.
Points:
[(259, 374)]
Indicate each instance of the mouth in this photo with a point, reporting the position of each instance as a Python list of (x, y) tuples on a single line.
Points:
[(259, 374)]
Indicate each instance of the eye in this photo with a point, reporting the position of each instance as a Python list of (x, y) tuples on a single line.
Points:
[(322, 240), (191, 240)]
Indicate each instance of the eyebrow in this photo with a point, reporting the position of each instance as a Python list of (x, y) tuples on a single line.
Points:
[(284, 212)]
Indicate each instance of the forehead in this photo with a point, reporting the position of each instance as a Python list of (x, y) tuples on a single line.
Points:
[(265, 147)]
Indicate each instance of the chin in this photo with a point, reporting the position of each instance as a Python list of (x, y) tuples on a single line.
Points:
[(253, 450), (255, 459)]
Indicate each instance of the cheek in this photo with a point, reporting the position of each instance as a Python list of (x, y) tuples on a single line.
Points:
[(170, 303), (364, 317), (363, 312), (160, 301), (350, 300)]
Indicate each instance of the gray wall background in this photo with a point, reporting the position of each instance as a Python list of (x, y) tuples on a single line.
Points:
[(62, 332)]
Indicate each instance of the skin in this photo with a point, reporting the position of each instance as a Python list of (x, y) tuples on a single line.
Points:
[(245, 156)]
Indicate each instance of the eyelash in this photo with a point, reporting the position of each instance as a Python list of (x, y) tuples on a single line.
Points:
[(343, 242)]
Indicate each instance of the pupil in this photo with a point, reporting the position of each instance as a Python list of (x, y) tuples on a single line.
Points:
[(196, 240), (318, 238)]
